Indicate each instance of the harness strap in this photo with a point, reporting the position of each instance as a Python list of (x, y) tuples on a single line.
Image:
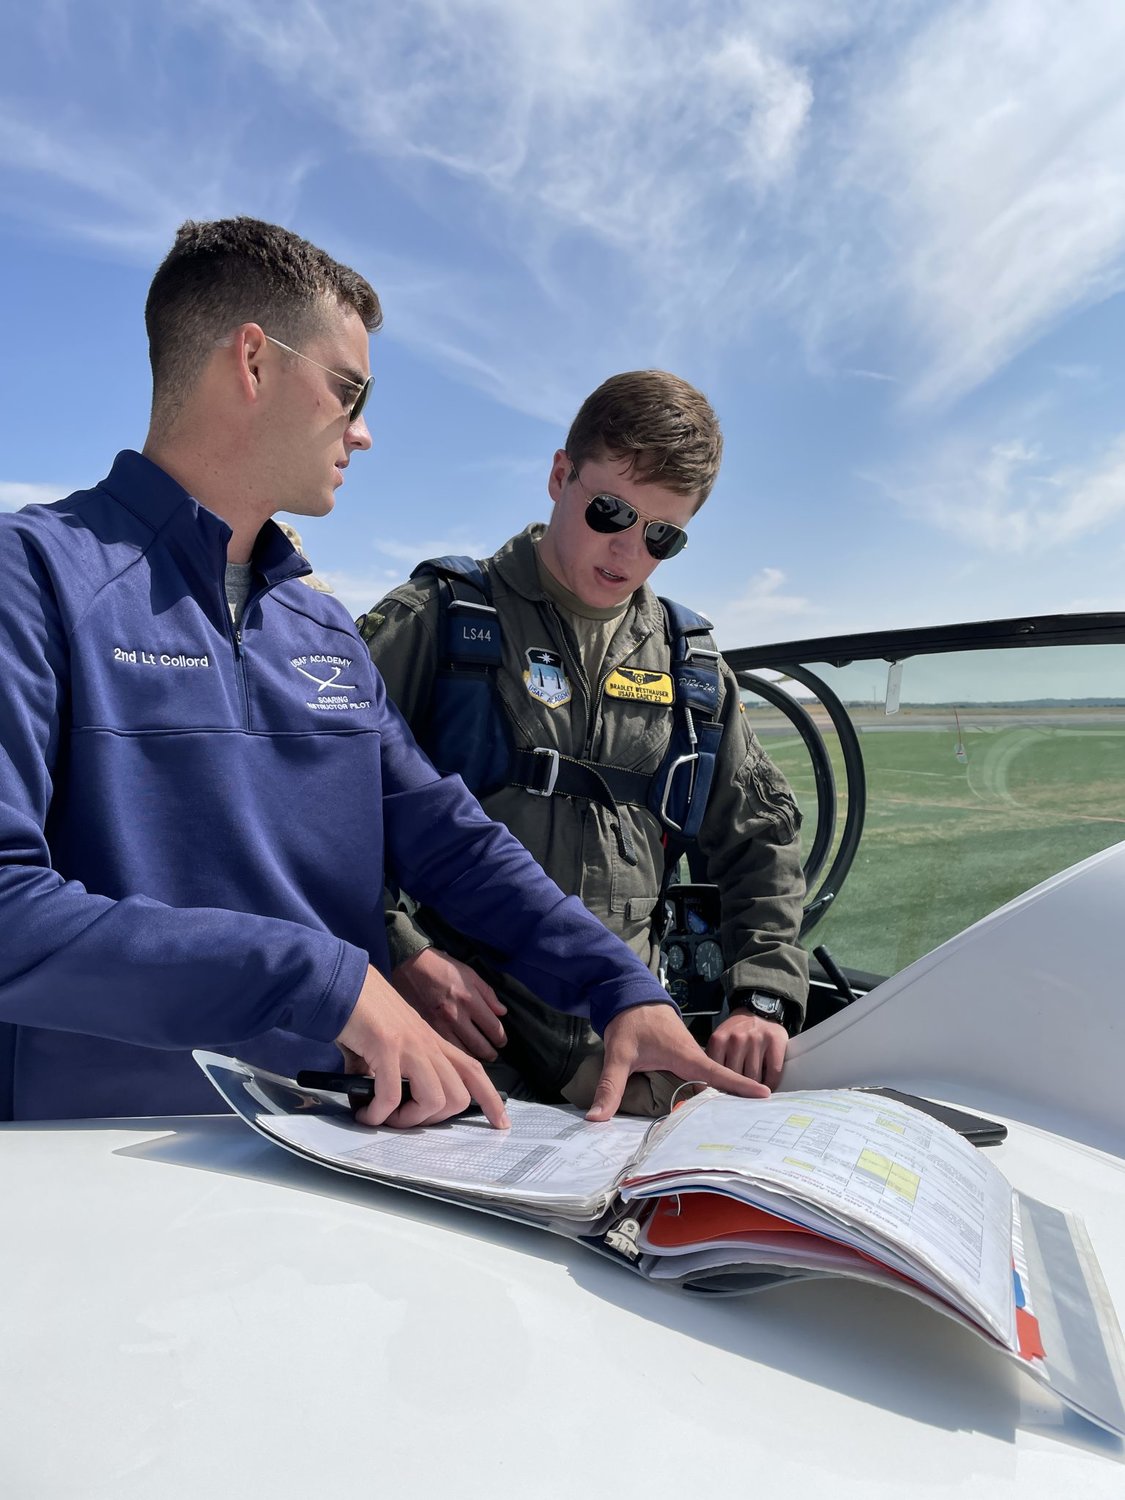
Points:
[(469, 732), (609, 785), (546, 773)]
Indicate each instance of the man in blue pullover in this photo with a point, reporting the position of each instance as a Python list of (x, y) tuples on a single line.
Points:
[(202, 782)]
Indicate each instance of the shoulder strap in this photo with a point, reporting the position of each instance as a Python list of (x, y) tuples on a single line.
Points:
[(466, 731), (682, 784), (695, 659), (684, 621), (470, 626), (456, 568)]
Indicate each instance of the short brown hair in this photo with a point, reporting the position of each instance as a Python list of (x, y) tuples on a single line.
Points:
[(665, 428), (227, 272)]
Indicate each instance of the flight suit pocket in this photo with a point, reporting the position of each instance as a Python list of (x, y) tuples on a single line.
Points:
[(778, 808)]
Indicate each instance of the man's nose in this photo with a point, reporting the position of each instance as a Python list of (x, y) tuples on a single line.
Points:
[(631, 543), (358, 435)]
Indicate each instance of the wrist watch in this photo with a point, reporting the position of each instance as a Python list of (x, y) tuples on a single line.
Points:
[(769, 1007)]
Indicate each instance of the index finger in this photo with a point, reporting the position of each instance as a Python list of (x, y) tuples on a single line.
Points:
[(483, 1091), (713, 1073)]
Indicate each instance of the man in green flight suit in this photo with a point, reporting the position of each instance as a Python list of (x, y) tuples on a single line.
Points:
[(588, 671)]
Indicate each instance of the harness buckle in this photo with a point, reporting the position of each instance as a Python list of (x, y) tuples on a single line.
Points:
[(682, 760), (552, 773)]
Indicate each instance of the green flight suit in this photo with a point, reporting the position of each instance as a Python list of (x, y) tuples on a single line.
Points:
[(748, 838)]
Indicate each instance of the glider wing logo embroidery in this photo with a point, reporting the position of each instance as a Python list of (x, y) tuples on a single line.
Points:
[(324, 683)]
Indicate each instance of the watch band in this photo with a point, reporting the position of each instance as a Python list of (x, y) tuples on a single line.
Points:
[(769, 1007)]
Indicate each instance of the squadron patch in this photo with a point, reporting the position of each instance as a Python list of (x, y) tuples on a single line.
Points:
[(369, 623), (545, 678), (641, 687)]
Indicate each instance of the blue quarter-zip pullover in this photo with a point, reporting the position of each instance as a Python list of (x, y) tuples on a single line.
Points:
[(195, 822)]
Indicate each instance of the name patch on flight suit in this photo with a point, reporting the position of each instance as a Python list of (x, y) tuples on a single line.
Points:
[(545, 678), (641, 687)]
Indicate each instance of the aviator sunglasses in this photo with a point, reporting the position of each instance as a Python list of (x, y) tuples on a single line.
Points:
[(363, 387), (608, 514)]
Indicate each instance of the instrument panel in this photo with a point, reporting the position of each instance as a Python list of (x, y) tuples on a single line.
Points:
[(692, 967)]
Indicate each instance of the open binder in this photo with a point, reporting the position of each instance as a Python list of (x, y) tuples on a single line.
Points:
[(734, 1195)]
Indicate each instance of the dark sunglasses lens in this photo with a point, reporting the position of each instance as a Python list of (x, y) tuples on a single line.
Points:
[(664, 540), (608, 514), (361, 399)]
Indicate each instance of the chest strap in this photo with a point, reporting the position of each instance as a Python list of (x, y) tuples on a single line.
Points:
[(546, 773)]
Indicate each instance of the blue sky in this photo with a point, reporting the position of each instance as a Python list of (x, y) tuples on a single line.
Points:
[(887, 239)]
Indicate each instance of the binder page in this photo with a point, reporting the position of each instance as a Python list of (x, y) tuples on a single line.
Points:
[(551, 1161), (898, 1176)]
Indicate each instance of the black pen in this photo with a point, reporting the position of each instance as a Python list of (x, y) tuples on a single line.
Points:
[(360, 1089)]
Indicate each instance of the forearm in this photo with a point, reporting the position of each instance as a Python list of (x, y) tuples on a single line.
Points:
[(761, 897), (750, 840), (160, 976)]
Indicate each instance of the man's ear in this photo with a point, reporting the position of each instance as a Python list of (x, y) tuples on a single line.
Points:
[(560, 472), (249, 350)]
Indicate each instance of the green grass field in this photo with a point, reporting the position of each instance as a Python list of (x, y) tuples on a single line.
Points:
[(946, 842)]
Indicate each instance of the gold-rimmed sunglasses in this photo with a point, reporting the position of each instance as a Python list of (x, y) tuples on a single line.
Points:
[(363, 387), (609, 514)]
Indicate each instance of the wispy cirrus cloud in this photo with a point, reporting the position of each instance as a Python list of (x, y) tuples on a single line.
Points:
[(1012, 497), (809, 161), (126, 191), (920, 192), (764, 612), (14, 495), (981, 186)]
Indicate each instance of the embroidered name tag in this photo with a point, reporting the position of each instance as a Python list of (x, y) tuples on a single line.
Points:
[(642, 687)]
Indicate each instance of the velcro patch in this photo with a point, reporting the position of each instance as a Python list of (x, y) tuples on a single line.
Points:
[(641, 687), (545, 678), (369, 623)]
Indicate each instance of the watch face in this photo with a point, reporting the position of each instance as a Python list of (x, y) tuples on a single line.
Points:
[(767, 1006), (709, 960)]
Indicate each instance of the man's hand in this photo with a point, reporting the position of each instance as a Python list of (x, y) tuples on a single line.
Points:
[(455, 1000), (388, 1040), (653, 1038), (750, 1045)]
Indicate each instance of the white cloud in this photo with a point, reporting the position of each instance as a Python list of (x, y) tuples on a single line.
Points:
[(356, 591), (620, 163), (982, 185), (592, 110), (922, 190), (764, 613), (1010, 497), (859, 374), (14, 495), (128, 191), (458, 544), (950, 181)]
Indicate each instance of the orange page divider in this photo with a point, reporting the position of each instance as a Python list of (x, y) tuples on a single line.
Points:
[(710, 1216), (1028, 1336)]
